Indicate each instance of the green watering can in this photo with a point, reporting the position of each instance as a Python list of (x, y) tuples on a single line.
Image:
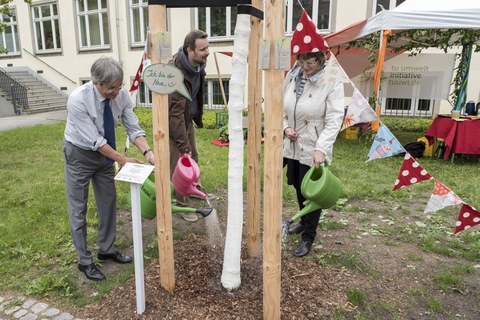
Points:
[(148, 201), (320, 188)]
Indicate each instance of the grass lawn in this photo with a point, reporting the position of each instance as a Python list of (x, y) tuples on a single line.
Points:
[(36, 254)]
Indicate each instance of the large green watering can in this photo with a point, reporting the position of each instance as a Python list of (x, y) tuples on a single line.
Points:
[(320, 188), (148, 200)]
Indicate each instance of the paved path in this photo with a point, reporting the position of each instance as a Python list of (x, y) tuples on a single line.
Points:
[(21, 308), (28, 120)]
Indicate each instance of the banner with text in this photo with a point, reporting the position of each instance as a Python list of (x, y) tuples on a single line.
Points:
[(425, 76)]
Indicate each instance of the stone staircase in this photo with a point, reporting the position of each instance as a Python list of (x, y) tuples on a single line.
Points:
[(42, 97)]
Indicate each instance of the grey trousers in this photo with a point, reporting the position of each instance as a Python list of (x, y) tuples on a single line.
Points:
[(81, 167)]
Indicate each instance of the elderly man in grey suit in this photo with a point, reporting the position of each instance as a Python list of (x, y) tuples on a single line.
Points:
[(94, 109)]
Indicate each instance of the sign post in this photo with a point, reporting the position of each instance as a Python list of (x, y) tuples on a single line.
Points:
[(136, 174)]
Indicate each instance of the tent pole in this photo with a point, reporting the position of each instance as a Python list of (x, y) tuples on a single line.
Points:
[(384, 34)]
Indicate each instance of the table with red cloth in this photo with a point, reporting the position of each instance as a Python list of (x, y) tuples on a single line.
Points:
[(460, 136)]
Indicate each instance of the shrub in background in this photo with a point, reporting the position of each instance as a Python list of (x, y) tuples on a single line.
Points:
[(395, 124), (144, 115)]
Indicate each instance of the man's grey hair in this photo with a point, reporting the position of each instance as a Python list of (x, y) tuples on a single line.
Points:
[(106, 70), (191, 38)]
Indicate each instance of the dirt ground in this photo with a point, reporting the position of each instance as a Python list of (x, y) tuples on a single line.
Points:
[(395, 287)]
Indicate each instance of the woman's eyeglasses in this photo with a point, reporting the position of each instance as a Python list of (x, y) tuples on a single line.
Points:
[(307, 62)]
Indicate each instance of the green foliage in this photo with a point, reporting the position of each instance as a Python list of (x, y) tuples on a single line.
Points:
[(435, 306), (350, 260), (5, 9), (404, 124), (209, 119), (145, 118), (356, 297)]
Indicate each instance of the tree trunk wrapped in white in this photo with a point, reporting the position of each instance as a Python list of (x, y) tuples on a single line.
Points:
[(233, 240)]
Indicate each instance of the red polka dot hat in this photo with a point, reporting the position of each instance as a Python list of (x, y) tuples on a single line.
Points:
[(307, 37)]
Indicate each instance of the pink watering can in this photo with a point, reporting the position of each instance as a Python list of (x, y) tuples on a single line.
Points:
[(185, 177)]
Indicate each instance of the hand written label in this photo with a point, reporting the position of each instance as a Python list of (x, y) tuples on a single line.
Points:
[(164, 79)]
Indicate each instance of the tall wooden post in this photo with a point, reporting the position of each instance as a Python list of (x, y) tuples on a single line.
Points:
[(254, 134), (157, 15), (275, 24)]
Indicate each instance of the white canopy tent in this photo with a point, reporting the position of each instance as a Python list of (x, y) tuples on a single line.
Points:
[(411, 14), (414, 14)]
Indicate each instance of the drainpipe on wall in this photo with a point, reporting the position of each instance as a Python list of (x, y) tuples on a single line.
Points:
[(117, 23)]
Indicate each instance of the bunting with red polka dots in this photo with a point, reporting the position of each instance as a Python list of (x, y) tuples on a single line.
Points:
[(441, 197), (411, 172), (468, 217)]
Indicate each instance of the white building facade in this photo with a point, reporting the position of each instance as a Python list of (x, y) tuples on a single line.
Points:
[(61, 39)]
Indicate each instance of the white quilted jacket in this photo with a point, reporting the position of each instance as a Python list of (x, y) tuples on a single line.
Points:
[(317, 116)]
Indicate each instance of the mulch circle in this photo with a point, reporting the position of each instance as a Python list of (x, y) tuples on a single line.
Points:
[(308, 291)]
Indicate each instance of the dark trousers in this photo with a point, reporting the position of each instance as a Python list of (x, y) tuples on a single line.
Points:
[(295, 173)]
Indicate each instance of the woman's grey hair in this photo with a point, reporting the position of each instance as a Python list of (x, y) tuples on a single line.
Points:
[(106, 70), (319, 55)]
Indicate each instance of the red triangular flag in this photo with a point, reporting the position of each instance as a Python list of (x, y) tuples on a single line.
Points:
[(411, 172), (138, 76), (468, 217)]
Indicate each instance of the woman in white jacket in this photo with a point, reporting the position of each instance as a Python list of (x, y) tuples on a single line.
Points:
[(313, 114)]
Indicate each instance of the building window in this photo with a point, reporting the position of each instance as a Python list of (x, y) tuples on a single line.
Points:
[(318, 10), (386, 4), (213, 97), (407, 107), (217, 22), (92, 19), (138, 21), (46, 28), (144, 95), (9, 37)]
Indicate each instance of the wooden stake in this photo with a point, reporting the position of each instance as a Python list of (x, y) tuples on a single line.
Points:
[(220, 81), (157, 15), (275, 24), (254, 135)]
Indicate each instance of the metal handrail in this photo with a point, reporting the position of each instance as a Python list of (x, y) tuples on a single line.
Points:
[(48, 65), (17, 90)]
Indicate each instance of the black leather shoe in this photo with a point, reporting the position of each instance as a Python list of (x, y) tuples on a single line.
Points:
[(296, 229), (91, 272), (303, 249), (117, 256)]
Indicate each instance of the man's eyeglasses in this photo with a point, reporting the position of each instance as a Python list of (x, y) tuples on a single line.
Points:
[(307, 62), (110, 89)]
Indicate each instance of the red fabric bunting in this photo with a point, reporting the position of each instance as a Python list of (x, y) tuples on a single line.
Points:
[(468, 217), (410, 173), (138, 76)]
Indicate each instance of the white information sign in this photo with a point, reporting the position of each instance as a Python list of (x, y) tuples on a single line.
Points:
[(134, 173)]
